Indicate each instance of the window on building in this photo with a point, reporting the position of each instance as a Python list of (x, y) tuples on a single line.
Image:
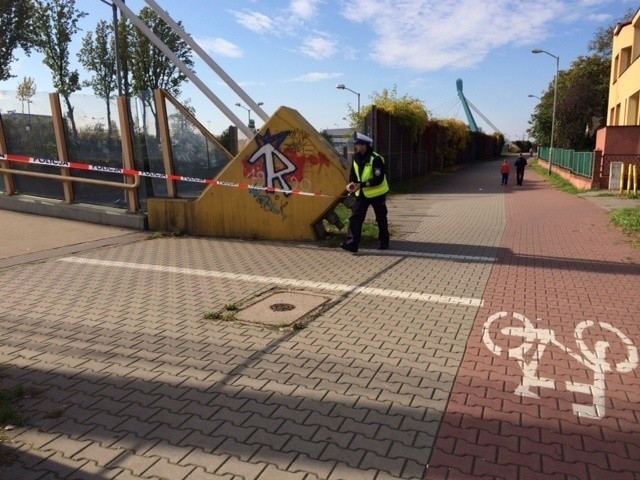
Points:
[(625, 59), (632, 109)]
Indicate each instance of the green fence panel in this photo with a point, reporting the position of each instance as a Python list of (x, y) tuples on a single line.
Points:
[(580, 163)]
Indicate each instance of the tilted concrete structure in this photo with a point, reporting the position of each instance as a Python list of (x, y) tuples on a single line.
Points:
[(279, 187)]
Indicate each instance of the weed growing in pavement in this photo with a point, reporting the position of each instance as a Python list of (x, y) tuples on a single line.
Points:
[(57, 413), (212, 316), (9, 415), (162, 234), (231, 307), (229, 317)]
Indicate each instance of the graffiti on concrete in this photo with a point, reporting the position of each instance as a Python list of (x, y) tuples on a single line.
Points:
[(287, 158), (270, 203), (532, 343), (269, 153)]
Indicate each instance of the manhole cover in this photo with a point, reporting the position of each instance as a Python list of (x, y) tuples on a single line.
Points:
[(281, 307)]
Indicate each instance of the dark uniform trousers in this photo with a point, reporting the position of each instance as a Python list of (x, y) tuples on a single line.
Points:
[(358, 214)]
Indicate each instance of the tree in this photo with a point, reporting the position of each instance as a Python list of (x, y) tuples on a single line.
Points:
[(152, 69), (55, 24), (582, 96), (585, 95), (26, 90), (99, 57), (411, 112), (602, 42), (15, 25)]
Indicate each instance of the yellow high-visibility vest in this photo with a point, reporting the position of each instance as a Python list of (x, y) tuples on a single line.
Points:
[(367, 174)]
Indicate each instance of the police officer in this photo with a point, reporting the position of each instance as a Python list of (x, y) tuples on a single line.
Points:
[(368, 182)]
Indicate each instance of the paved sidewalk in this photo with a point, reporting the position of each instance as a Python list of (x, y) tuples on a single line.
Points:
[(391, 378), (549, 385)]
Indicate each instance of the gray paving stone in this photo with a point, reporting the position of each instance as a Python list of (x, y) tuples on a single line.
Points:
[(369, 371), (163, 469)]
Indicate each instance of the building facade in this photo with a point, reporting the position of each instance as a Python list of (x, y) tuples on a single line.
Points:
[(624, 87), (619, 141)]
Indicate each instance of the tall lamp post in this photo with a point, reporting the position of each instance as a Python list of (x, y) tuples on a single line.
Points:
[(341, 86), (248, 112), (535, 96), (555, 96), (117, 43)]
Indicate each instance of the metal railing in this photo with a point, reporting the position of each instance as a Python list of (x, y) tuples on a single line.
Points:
[(578, 163)]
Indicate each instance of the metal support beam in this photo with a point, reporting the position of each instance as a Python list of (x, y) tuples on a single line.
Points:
[(183, 68), (208, 60)]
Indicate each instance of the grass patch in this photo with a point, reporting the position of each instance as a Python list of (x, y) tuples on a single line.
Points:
[(9, 414), (627, 218), (336, 236), (556, 180)]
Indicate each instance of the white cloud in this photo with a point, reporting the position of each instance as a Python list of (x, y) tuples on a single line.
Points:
[(314, 77), (254, 21), (220, 46), (318, 48), (305, 9), (600, 17), (426, 35)]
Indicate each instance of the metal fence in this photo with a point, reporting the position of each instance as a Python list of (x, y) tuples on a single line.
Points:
[(578, 163), (408, 158), (92, 135)]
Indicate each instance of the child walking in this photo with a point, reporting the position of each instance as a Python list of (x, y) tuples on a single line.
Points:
[(504, 170)]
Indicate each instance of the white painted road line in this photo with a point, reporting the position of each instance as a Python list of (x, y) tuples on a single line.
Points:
[(438, 256), (284, 282)]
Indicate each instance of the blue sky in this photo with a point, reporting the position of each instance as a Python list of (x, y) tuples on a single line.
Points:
[(295, 52)]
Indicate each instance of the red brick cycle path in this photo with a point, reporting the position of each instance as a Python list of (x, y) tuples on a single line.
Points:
[(560, 265)]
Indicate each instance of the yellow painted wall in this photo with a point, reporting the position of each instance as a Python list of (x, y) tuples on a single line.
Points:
[(625, 75), (291, 154)]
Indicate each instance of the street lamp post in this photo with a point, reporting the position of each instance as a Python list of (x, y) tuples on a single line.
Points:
[(248, 112), (341, 86), (555, 96), (534, 96), (117, 44)]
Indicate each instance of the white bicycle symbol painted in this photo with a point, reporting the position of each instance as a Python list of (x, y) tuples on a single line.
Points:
[(539, 339)]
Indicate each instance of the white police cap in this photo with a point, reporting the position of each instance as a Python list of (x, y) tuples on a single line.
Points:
[(361, 138)]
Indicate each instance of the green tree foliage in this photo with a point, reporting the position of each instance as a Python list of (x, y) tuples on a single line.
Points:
[(409, 110), (15, 25), (26, 90), (98, 56), (585, 95), (582, 97), (455, 138), (150, 68), (225, 139), (55, 24), (602, 42)]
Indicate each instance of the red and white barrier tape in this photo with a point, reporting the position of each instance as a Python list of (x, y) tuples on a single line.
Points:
[(124, 171)]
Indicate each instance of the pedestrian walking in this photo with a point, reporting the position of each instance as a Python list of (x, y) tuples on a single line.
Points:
[(368, 183), (504, 170), (520, 163)]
